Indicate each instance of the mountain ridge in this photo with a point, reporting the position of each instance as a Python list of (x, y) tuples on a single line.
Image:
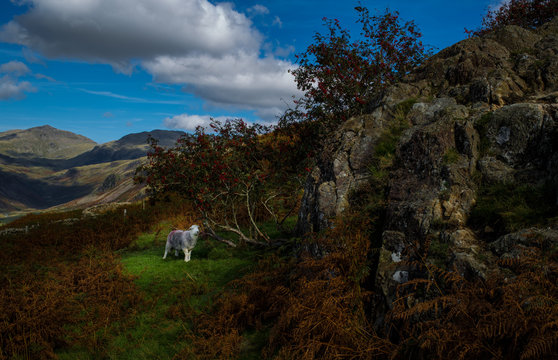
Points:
[(43, 141), (43, 167)]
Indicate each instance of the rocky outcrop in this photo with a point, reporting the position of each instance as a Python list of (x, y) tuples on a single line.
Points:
[(485, 112), (340, 171)]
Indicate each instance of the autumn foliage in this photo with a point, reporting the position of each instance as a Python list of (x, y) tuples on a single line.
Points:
[(236, 176), (340, 75), (62, 284), (316, 308), (529, 14)]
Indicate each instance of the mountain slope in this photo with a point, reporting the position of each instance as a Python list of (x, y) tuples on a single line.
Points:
[(43, 142), (19, 191), (37, 171), (129, 147)]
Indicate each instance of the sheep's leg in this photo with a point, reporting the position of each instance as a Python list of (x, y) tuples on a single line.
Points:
[(166, 251), (186, 254)]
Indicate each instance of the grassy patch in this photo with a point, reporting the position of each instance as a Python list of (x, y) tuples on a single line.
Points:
[(438, 251), (450, 157), (173, 290), (510, 207), (404, 107), (482, 127)]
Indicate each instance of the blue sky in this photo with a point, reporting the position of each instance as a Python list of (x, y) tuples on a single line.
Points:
[(107, 68)]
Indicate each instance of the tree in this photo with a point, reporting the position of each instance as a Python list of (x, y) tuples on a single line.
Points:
[(341, 76), (235, 177), (529, 14)]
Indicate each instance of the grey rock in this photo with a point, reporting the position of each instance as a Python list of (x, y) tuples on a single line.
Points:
[(513, 129), (510, 245), (495, 171)]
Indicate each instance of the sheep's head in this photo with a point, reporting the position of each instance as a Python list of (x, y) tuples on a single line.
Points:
[(194, 230)]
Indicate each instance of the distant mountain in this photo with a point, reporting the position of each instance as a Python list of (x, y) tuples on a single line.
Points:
[(43, 142), (44, 167), (18, 192), (129, 147)]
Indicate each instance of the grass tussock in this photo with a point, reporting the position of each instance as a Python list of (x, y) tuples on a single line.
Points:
[(508, 207)]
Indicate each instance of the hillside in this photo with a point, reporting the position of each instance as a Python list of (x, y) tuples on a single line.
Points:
[(129, 147), (43, 142), (44, 167)]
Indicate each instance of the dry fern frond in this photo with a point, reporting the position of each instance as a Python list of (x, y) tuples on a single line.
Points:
[(541, 347)]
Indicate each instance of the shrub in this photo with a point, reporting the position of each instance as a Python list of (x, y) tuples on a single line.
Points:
[(529, 14), (340, 76), (236, 177)]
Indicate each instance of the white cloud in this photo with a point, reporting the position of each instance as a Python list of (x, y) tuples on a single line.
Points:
[(190, 122), (44, 77), (15, 68), (130, 98), (31, 57), (284, 51), (236, 80), (277, 21), (210, 49), (116, 31), (258, 10), (11, 88)]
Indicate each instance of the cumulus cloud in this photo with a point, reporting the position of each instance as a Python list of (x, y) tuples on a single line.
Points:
[(190, 122), (255, 83), (116, 31), (12, 89), (15, 68), (211, 50)]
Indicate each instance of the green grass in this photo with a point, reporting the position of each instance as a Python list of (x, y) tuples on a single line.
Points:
[(438, 252), (509, 207), (482, 127), (172, 289), (450, 157)]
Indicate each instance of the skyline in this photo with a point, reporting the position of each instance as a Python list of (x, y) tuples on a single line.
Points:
[(107, 68)]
